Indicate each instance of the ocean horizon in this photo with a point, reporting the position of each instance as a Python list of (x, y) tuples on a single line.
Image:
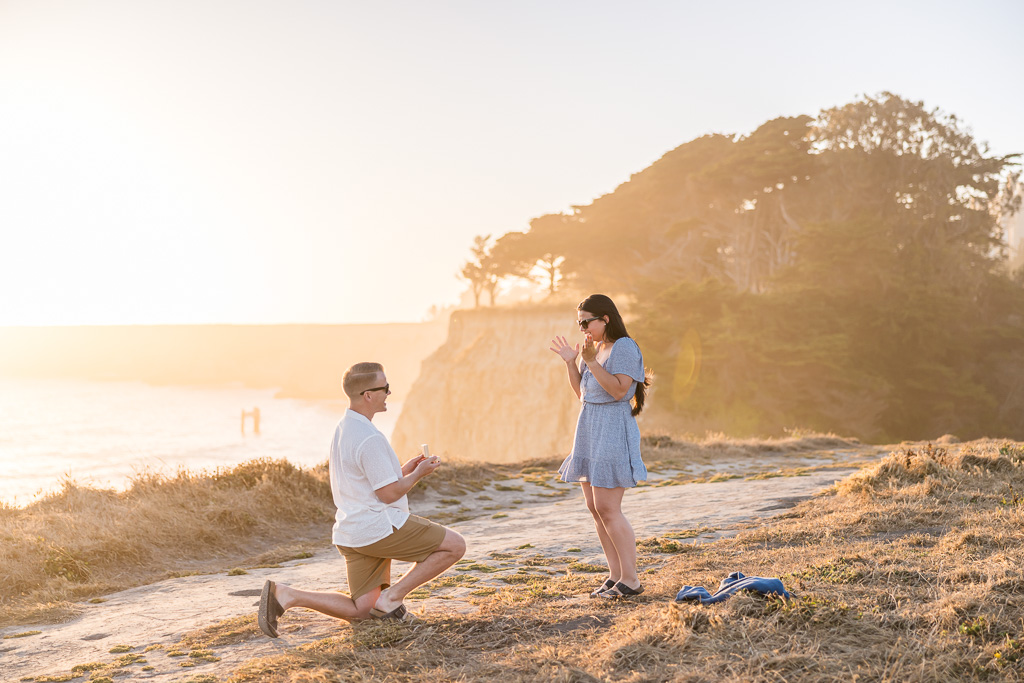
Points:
[(101, 434)]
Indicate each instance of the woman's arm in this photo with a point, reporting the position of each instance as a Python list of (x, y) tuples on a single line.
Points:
[(617, 386), (568, 354), (574, 376)]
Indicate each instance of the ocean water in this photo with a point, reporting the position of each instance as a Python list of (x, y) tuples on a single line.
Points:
[(102, 433)]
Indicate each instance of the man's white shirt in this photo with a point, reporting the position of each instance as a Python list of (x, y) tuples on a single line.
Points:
[(361, 462)]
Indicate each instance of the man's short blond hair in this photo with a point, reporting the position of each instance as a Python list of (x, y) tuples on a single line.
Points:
[(360, 377)]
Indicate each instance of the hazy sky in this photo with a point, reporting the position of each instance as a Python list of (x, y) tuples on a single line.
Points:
[(258, 162)]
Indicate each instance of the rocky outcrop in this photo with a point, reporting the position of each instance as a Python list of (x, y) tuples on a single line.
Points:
[(493, 391)]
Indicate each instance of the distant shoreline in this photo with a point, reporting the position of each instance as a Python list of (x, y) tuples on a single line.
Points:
[(302, 360)]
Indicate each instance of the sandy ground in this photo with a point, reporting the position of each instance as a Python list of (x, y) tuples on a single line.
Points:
[(550, 517)]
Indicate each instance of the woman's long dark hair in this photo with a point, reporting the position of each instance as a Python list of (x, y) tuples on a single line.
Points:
[(601, 305)]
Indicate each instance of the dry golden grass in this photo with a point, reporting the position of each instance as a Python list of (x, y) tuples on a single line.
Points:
[(907, 571), (83, 542), (662, 450)]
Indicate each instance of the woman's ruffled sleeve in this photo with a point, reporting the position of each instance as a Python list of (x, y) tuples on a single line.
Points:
[(626, 359)]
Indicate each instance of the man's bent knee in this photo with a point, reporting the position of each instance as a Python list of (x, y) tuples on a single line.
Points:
[(453, 543)]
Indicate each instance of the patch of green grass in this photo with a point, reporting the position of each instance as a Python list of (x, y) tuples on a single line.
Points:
[(96, 601), (483, 592), (503, 487), (449, 501), (126, 660), (524, 546), (181, 575), (1012, 452), (838, 571), (176, 653), (586, 568), (1014, 498), (237, 571), (661, 545), (722, 477), (118, 649), (688, 533), (573, 550), (23, 634), (500, 515), (204, 655), (201, 678), (59, 678), (974, 628), (1011, 651), (91, 666), (524, 578), (450, 517), (450, 581), (765, 475), (477, 567)]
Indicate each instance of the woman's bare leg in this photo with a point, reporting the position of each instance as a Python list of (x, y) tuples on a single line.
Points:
[(608, 503), (610, 553)]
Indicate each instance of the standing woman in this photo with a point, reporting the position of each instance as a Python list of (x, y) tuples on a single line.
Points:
[(605, 456)]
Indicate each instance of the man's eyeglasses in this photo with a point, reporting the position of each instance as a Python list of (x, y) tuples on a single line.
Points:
[(386, 389), (586, 322)]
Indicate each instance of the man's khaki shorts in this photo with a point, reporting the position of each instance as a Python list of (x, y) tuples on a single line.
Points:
[(369, 566)]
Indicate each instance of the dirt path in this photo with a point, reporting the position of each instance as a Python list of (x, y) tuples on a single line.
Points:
[(558, 533)]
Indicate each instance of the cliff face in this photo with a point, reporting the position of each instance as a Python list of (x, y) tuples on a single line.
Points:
[(493, 391)]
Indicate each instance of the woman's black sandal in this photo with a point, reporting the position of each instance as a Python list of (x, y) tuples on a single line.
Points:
[(608, 583), (621, 590)]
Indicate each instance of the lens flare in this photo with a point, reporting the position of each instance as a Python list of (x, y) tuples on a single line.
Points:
[(687, 367)]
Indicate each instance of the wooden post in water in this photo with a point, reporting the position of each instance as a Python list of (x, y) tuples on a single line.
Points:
[(255, 414)]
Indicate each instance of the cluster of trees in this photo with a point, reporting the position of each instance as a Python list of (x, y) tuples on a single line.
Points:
[(845, 273), (535, 255)]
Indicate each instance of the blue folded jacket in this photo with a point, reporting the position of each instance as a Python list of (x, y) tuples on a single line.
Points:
[(730, 584)]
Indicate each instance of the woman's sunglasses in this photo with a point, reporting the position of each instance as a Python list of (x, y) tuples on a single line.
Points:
[(585, 323)]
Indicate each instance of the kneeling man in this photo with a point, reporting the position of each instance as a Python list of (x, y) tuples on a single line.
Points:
[(373, 525)]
